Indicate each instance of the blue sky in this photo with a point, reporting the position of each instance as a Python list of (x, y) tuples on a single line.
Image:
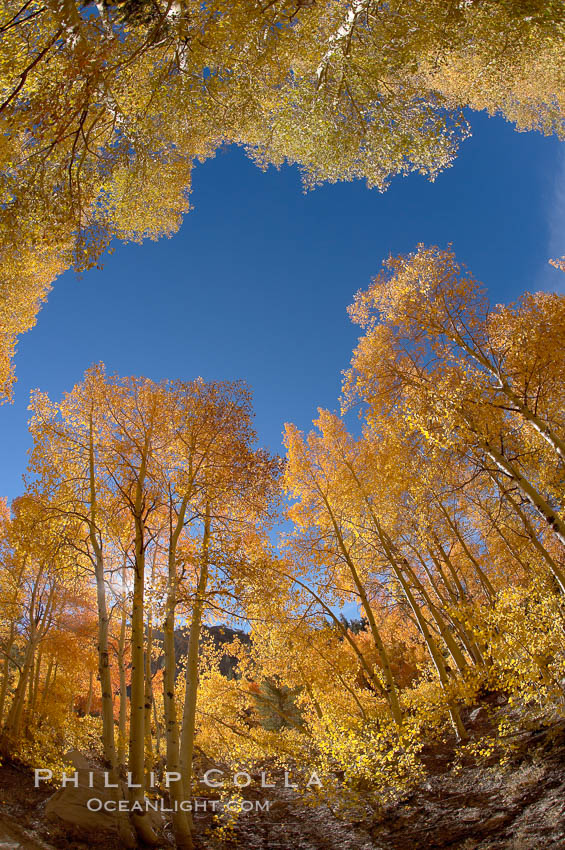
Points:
[(256, 283)]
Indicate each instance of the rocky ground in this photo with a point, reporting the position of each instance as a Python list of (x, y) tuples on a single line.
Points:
[(470, 807), (520, 807)]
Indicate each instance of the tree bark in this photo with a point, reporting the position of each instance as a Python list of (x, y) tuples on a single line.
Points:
[(138, 811), (123, 688), (390, 686), (191, 683), (104, 672), (544, 509), (182, 821)]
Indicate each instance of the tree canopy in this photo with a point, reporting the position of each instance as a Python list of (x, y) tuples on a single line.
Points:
[(105, 108)]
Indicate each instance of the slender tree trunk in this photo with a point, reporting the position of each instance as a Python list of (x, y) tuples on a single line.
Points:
[(466, 639), (148, 697), (5, 682), (450, 642), (30, 681), (461, 592), (365, 666), (88, 707), (149, 700), (554, 568), (34, 690), (503, 386), (182, 821), (538, 502), (435, 654), (104, 672), (316, 704), (137, 700), (39, 623), (483, 578), (6, 670), (446, 583), (157, 727), (191, 683), (123, 690), (511, 549), (429, 572), (390, 685), (10, 641), (47, 683), (14, 719)]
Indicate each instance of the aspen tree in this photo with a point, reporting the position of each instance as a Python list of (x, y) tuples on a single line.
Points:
[(42, 578), (309, 476), (191, 680), (73, 432), (235, 487), (480, 395)]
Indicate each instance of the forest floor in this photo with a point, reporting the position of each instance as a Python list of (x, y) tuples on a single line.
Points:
[(468, 807)]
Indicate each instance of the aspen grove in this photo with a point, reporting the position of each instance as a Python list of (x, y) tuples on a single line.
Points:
[(172, 594), (439, 514)]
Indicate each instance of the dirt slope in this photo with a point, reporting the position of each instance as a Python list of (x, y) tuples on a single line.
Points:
[(475, 807)]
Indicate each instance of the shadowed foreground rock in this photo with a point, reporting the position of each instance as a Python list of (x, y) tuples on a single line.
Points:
[(69, 806)]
